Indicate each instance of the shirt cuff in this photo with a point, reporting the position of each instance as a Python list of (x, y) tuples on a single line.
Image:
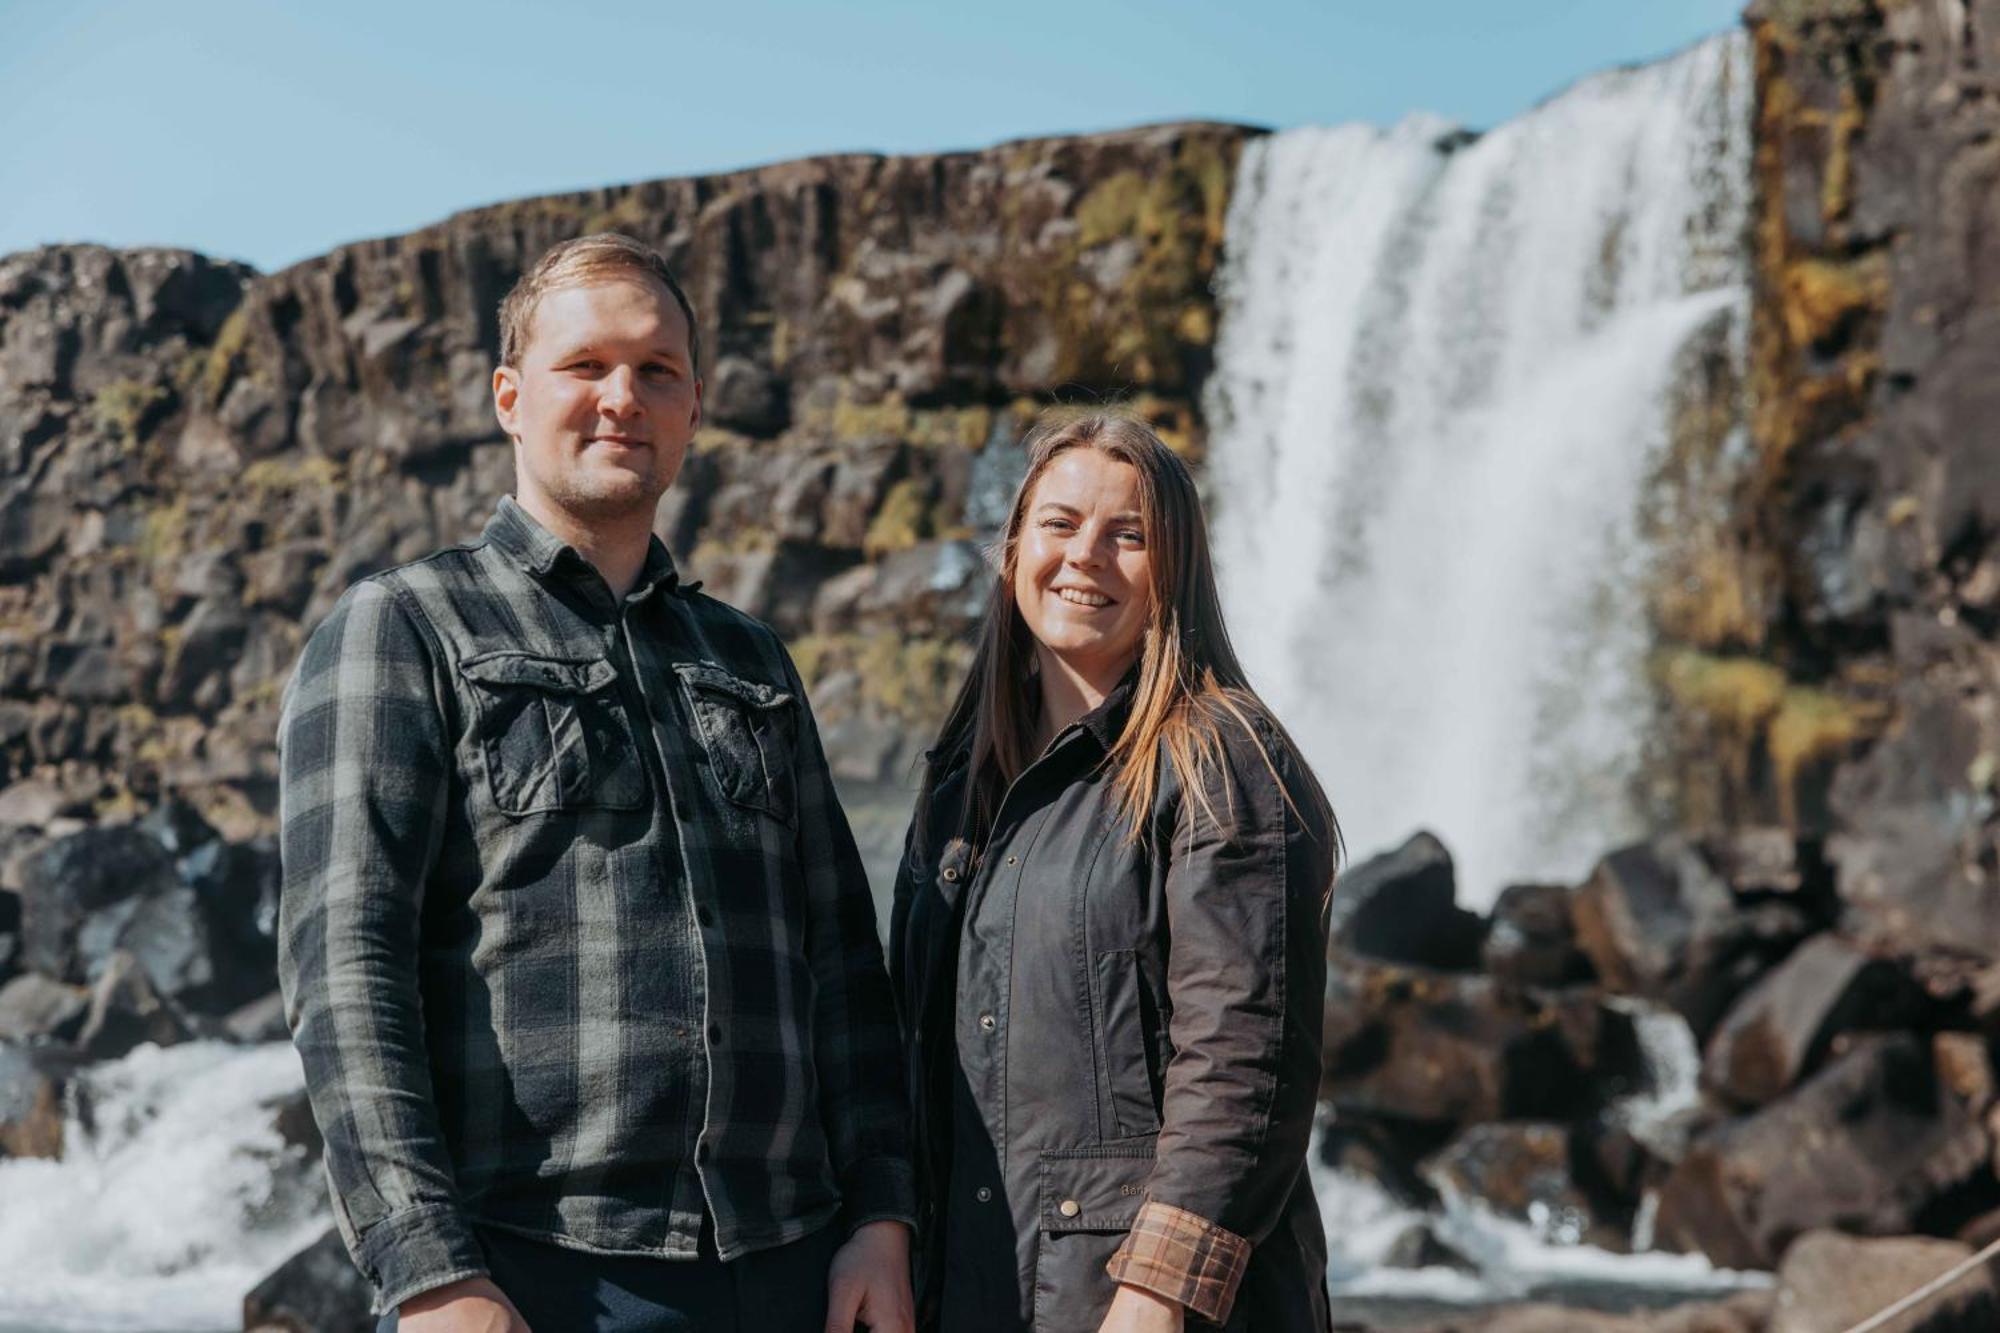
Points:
[(1184, 1257), (418, 1250), (879, 1189)]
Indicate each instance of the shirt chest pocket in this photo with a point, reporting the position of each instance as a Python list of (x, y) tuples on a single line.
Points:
[(748, 731), (553, 733)]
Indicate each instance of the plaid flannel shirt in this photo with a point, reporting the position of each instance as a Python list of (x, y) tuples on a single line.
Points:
[(574, 939)]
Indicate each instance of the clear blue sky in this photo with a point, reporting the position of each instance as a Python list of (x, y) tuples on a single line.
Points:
[(273, 131)]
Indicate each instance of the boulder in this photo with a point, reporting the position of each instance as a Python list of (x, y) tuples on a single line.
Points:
[(317, 1290), (1831, 1281), (1538, 1174), (1873, 1143), (1446, 1048), (262, 1019), (37, 1008), (73, 883), (1382, 1150), (1419, 1247), (31, 1103), (126, 1012), (1781, 1028), (1531, 940), (1402, 907), (1656, 920)]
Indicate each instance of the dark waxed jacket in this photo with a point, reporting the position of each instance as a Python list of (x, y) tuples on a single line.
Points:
[(1115, 1047)]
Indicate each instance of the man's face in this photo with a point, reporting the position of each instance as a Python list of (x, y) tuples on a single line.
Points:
[(604, 401)]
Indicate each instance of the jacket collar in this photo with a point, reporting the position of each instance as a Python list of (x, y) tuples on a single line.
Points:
[(1106, 722), (534, 548)]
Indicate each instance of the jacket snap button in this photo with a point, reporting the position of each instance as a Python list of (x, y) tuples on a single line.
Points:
[(950, 875), (983, 1194), (1069, 1208), (987, 1023), (1013, 860)]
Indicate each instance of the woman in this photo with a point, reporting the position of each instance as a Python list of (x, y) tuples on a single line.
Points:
[(1109, 938)]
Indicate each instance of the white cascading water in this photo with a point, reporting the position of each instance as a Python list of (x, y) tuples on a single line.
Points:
[(1441, 388), (175, 1195)]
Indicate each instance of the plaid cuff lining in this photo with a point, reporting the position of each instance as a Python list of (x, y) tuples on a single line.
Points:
[(1183, 1257)]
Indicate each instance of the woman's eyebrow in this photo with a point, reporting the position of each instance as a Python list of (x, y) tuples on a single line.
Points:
[(1058, 506)]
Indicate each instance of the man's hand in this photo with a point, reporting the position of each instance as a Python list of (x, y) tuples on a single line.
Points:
[(469, 1305), (1136, 1310), (869, 1281)]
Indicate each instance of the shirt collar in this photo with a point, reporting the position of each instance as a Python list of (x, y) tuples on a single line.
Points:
[(1106, 722), (533, 547)]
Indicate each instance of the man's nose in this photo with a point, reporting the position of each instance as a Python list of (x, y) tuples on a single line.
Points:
[(615, 392)]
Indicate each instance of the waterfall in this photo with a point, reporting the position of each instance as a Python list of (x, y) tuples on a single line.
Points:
[(1442, 389), (175, 1195)]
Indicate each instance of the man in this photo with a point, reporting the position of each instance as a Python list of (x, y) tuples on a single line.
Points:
[(575, 943)]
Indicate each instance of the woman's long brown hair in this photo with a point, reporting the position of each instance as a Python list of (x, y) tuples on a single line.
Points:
[(1189, 678)]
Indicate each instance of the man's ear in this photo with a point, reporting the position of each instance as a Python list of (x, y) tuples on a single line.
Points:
[(506, 399)]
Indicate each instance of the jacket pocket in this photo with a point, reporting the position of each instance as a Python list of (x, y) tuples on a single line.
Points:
[(553, 733), (748, 730), (1087, 1202), (1122, 1008)]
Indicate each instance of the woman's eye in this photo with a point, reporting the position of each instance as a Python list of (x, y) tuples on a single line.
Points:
[(1133, 536)]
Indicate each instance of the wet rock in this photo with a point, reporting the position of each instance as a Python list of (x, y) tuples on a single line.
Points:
[(1656, 920), (262, 1019), (1530, 938), (317, 1290), (1401, 907), (77, 879), (1833, 1281), (1448, 1048), (35, 1007), (1535, 1174), (1385, 1151), (1781, 1028), (31, 1103), (1872, 1143), (1419, 1247), (126, 1012)]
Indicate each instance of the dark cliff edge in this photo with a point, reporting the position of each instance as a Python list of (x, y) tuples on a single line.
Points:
[(199, 458)]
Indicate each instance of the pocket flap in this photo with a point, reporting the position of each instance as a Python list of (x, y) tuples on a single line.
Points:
[(555, 674), (1094, 1189), (707, 676)]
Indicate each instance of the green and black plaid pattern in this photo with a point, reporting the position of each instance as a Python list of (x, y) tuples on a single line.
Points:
[(574, 939)]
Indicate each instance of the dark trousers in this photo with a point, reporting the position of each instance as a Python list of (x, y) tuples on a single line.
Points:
[(568, 1291)]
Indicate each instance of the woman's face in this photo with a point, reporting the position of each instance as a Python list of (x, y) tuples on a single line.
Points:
[(1082, 573)]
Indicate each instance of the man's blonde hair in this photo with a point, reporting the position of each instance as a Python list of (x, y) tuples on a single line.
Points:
[(577, 263)]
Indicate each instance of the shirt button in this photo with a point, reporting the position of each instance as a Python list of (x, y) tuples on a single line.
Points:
[(987, 1023), (715, 1033), (984, 1194), (704, 916), (951, 874), (1013, 860), (1069, 1207)]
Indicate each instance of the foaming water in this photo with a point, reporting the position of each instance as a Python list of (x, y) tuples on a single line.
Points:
[(175, 1196), (1442, 387)]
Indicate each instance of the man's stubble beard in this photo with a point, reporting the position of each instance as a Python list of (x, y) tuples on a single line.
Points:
[(611, 500)]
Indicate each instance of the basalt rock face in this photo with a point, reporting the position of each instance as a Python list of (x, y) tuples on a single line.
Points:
[(199, 459), (1859, 693)]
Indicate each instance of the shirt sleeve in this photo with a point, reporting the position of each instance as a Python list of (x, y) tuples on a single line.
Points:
[(1245, 893), (365, 766), (857, 1051)]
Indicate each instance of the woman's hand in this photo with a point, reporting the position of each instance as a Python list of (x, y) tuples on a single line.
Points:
[(869, 1281), (470, 1305), (1136, 1310)]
